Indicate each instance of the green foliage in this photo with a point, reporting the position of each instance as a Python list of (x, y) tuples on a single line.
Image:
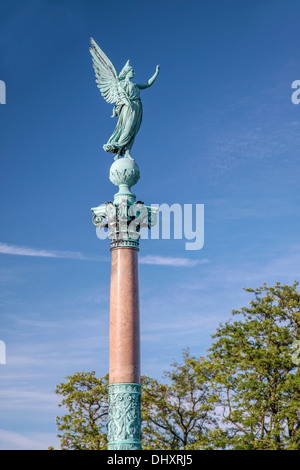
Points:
[(84, 425), (179, 414), (258, 384), (244, 395)]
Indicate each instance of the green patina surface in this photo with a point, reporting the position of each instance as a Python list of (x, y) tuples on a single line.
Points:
[(124, 217), (120, 89), (124, 417)]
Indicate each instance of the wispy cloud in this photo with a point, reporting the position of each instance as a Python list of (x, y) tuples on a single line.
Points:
[(24, 251), (44, 253), (170, 261), (256, 128), (21, 399), (36, 441)]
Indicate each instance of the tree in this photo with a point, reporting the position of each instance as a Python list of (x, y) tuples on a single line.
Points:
[(179, 414), (245, 394), (258, 383), (85, 398)]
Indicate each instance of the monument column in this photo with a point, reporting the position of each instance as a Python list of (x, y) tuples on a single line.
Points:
[(124, 429), (124, 337), (124, 217)]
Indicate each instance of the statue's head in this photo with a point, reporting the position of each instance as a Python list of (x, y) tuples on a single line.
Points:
[(127, 70), (130, 72)]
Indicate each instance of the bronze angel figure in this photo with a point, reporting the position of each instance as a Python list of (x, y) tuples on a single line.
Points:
[(125, 94)]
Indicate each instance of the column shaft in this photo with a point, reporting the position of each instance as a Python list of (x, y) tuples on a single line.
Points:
[(124, 352)]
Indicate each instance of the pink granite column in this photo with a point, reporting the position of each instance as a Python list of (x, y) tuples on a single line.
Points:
[(124, 334)]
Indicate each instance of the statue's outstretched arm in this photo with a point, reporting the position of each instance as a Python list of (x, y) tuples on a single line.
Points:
[(150, 81)]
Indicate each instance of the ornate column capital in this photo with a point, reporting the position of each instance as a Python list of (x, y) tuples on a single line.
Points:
[(124, 217), (124, 221)]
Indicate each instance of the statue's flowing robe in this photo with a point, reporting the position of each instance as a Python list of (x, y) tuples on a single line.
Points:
[(130, 118)]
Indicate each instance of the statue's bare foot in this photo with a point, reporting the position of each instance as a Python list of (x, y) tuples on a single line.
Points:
[(116, 157), (127, 155)]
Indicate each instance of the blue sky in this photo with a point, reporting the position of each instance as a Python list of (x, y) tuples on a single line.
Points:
[(219, 129)]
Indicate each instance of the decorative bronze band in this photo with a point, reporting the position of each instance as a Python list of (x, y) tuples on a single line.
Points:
[(124, 416)]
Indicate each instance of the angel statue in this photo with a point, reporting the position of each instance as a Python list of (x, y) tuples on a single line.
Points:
[(119, 89)]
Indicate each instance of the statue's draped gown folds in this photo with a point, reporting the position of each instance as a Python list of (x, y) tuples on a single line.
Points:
[(119, 89), (130, 118)]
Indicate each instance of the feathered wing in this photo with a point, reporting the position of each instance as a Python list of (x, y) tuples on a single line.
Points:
[(106, 75)]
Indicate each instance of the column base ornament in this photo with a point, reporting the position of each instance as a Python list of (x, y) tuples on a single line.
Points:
[(124, 416)]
